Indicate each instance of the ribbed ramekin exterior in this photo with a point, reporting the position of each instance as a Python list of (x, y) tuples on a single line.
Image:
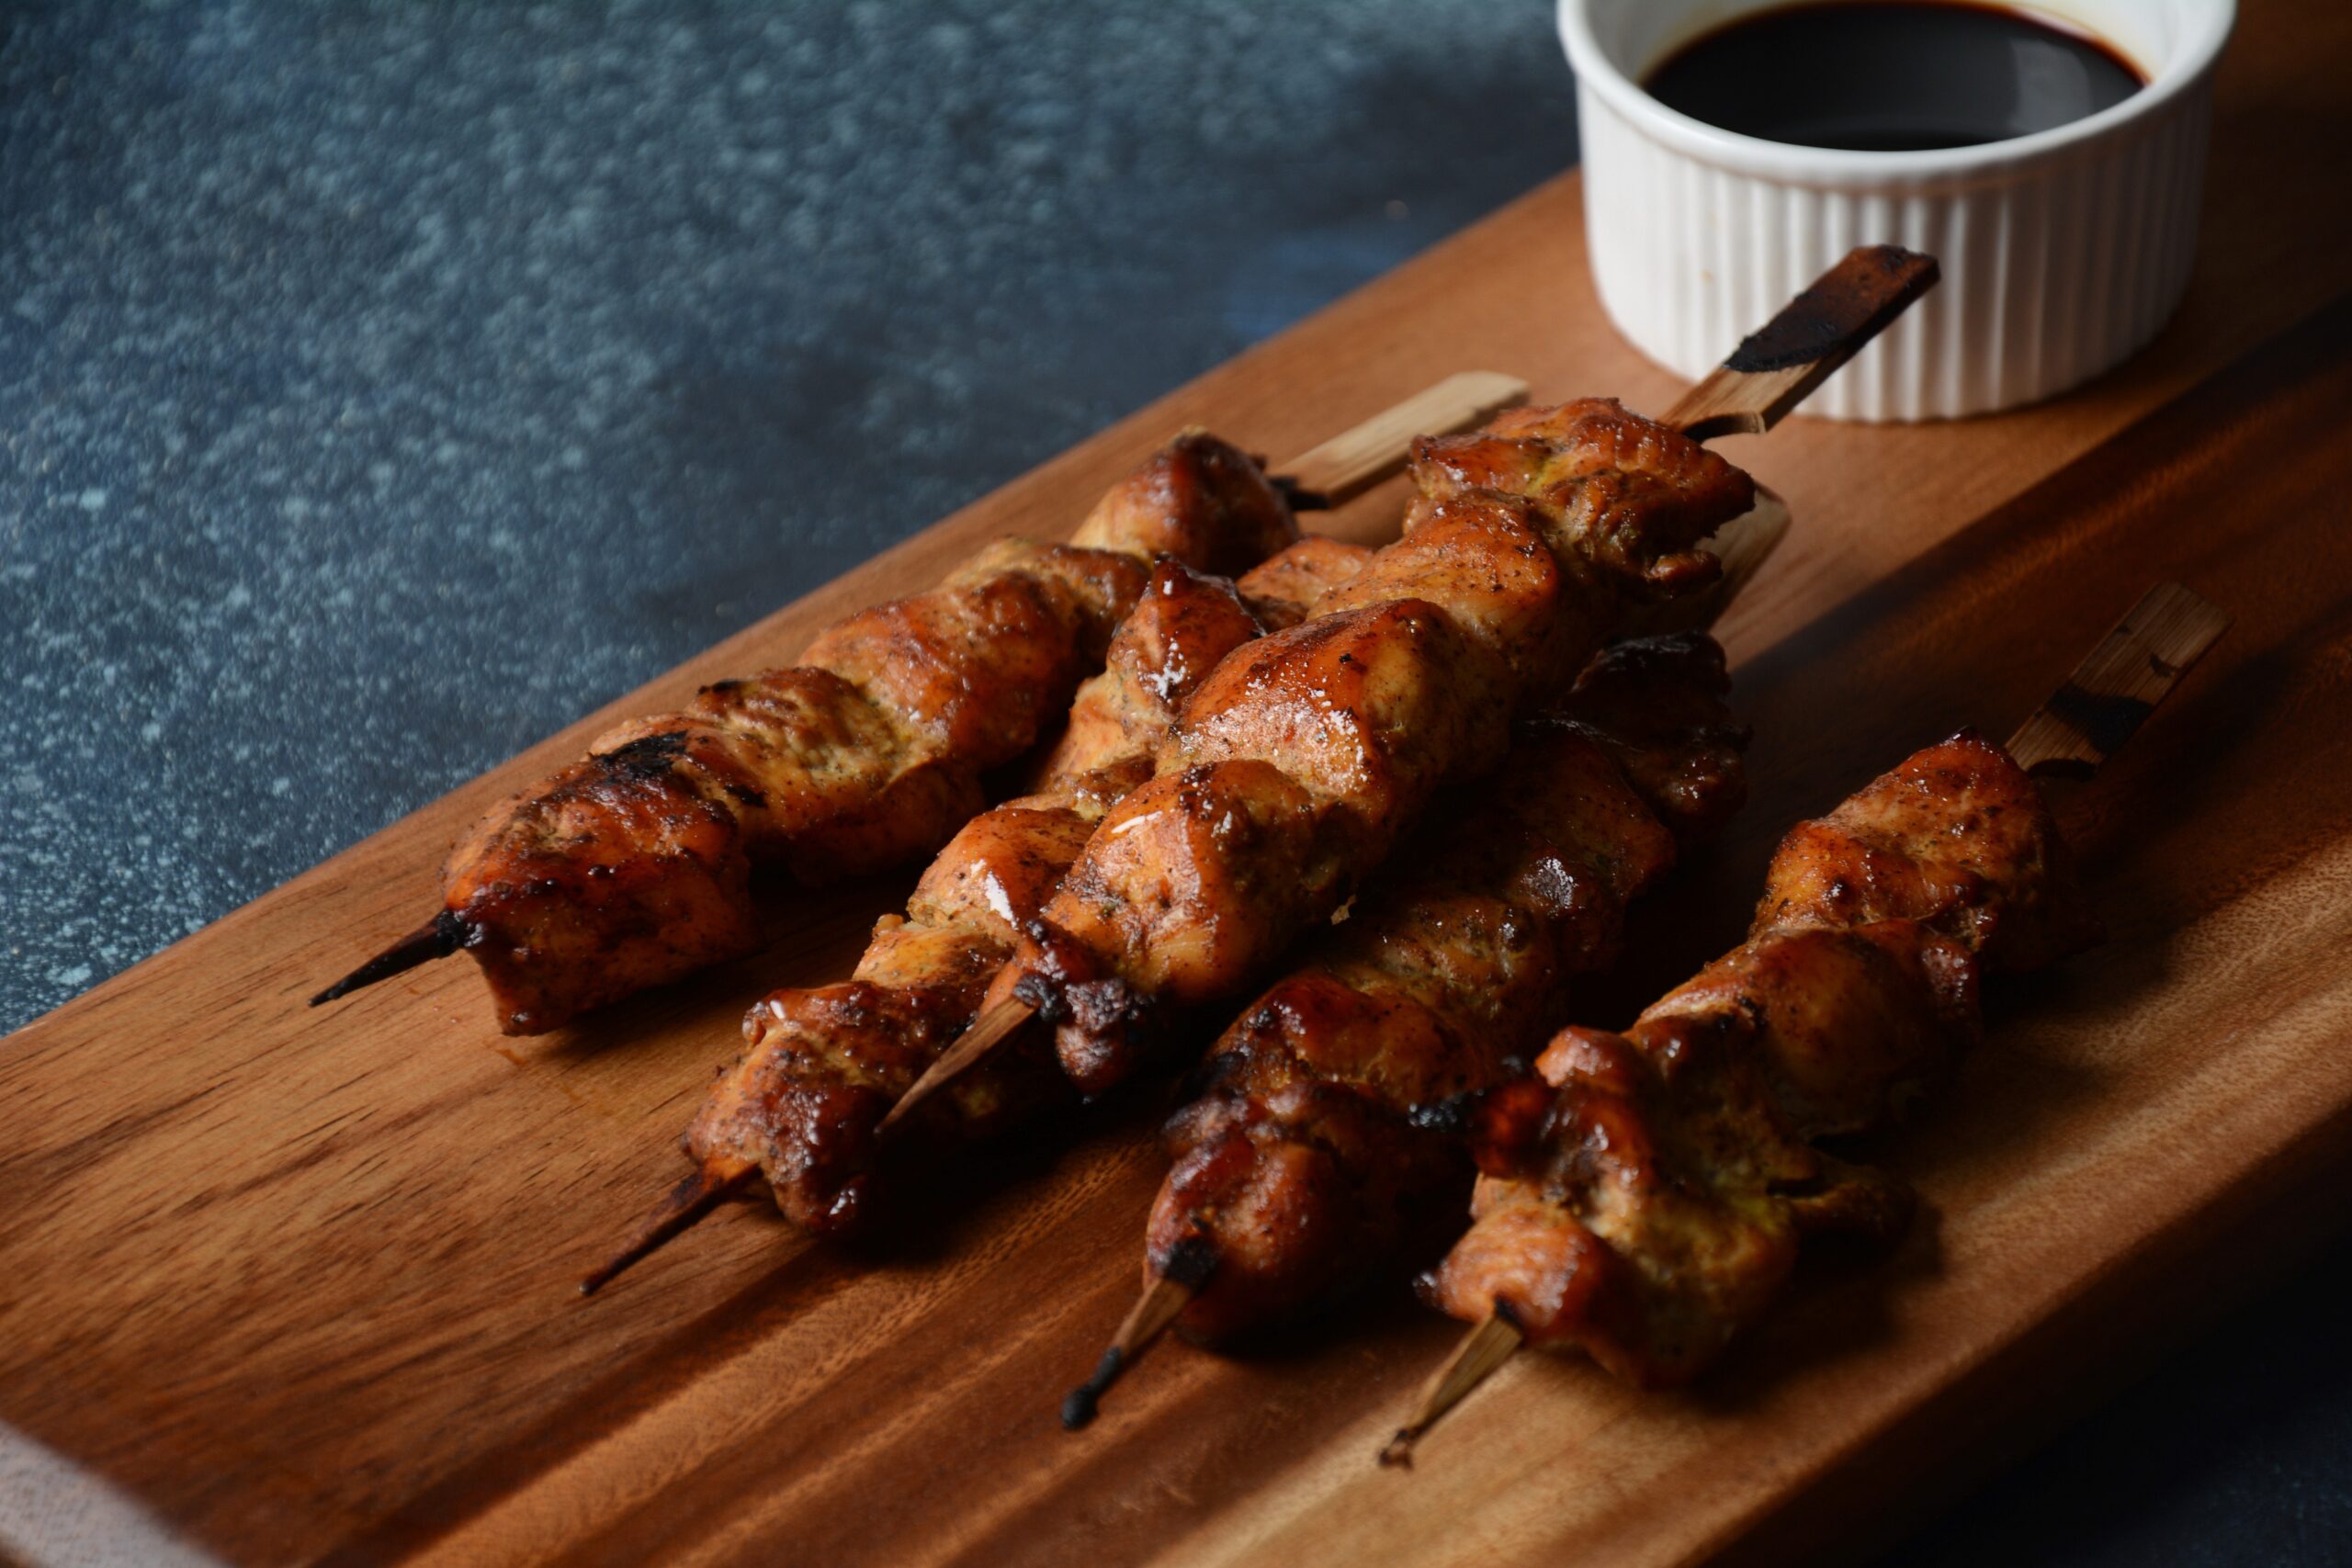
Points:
[(2053, 270)]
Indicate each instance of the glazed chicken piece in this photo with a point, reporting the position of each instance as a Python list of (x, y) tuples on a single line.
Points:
[(1646, 1198), (1946, 841), (633, 866), (1302, 759), (824, 1065), (1328, 1145)]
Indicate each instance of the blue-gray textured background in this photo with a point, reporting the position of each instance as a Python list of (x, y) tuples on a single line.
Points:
[(384, 386)]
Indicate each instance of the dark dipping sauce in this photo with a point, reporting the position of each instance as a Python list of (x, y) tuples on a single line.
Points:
[(1892, 75)]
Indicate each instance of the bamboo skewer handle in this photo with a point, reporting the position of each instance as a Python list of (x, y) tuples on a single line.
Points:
[(2117, 683), (1779, 365), (1354, 460)]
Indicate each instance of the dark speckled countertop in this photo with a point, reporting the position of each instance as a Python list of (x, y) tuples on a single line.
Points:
[(383, 387)]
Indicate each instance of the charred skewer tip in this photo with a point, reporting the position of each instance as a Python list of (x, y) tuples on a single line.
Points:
[(688, 1202), (986, 1032), (1481, 1350), (442, 935), (1187, 1267), (1082, 1404)]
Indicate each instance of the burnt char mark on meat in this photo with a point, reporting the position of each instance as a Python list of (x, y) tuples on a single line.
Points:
[(647, 756)]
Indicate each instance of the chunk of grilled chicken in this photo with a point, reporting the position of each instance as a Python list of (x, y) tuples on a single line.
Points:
[(1300, 762), (824, 1065), (633, 866), (1951, 840), (1328, 1144), (1646, 1198)]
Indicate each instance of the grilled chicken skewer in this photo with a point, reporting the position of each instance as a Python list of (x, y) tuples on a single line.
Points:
[(803, 1105), (632, 867), (823, 1065), (1646, 1196), (1299, 764), (800, 1108), (1330, 1145)]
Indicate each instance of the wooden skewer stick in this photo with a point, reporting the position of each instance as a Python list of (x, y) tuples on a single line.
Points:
[(1356, 459), (983, 1035), (2083, 724), (1777, 367), (1323, 477), (437, 938), (688, 1202), (1481, 1350), (2117, 683), (1771, 373), (1190, 1263)]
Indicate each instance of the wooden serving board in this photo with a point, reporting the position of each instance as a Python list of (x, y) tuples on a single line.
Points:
[(294, 1286)]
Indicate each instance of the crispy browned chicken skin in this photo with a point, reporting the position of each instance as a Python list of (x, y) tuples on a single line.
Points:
[(825, 1063), (1646, 1198), (1330, 1143), (632, 867), (1300, 762)]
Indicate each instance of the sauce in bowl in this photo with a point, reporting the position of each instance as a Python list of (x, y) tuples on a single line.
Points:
[(1892, 75)]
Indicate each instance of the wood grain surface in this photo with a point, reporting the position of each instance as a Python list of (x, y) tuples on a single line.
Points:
[(297, 1284)]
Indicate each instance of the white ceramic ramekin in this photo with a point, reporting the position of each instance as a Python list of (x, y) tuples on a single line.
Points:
[(2063, 251)]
